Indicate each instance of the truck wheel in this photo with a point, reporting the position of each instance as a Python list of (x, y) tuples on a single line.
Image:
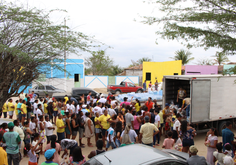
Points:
[(117, 92), (140, 91), (222, 126)]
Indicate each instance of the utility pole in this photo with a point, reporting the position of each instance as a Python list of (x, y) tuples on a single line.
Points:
[(65, 55)]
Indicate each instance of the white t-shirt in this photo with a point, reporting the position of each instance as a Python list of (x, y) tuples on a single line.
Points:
[(94, 101), (72, 107), (68, 108), (111, 132), (38, 113), (132, 135), (111, 112), (32, 126), (77, 109), (103, 109), (49, 132), (113, 102), (34, 143), (102, 100), (97, 109), (157, 119), (176, 124), (35, 107)]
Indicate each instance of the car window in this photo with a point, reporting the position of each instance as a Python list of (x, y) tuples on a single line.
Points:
[(80, 92), (49, 88), (36, 87), (130, 85), (41, 87)]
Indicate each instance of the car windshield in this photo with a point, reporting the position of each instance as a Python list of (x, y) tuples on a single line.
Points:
[(52, 87)]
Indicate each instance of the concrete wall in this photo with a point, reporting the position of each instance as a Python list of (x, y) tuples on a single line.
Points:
[(96, 81), (133, 79), (160, 69), (200, 69), (130, 72)]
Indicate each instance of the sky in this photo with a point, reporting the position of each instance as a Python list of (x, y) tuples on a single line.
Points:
[(113, 22)]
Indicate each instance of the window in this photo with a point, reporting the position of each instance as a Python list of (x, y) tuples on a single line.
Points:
[(148, 76), (49, 88), (76, 77), (41, 87), (36, 88), (131, 85), (176, 74)]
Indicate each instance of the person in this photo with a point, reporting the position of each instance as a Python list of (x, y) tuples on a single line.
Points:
[(45, 105), (156, 85), (176, 127), (4, 110), (89, 98), (77, 157), (39, 147), (38, 111), (187, 133), (126, 140), (74, 126), (48, 128), (168, 142), (30, 151), (125, 102), (161, 123), (35, 105), (186, 106), (55, 109), (54, 145), (157, 124), (149, 103), (118, 131), (111, 138), (11, 108), (80, 121), (211, 141), (228, 135), (98, 109), (132, 134), (19, 109), (129, 118), (99, 150), (228, 149), (60, 128), (137, 121), (16, 111), (27, 133), (218, 155), (121, 118), (194, 159), (147, 131), (29, 109), (88, 128), (41, 129), (228, 160), (98, 129), (104, 120), (50, 110), (3, 154), (181, 94), (12, 140), (23, 112), (49, 155), (68, 144), (144, 86), (68, 125), (19, 130)]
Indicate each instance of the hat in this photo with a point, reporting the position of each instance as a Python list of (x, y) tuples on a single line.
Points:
[(49, 153), (193, 149), (10, 125), (167, 104), (146, 118), (84, 106), (109, 93), (101, 95)]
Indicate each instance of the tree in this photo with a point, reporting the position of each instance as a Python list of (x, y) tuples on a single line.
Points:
[(99, 63), (183, 55), (221, 57), (115, 70), (144, 59), (205, 62), (29, 41), (200, 23)]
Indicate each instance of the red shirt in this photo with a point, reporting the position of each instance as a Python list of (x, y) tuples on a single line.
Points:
[(149, 105), (108, 99)]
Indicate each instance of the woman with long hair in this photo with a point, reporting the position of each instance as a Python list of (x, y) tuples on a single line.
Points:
[(187, 134), (210, 141), (89, 128), (77, 157), (56, 146), (118, 132), (74, 126), (125, 139)]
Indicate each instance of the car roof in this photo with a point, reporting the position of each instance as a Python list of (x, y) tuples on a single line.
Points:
[(83, 88), (132, 154)]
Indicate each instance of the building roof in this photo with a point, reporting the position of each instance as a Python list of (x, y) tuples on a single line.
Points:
[(137, 67), (232, 63)]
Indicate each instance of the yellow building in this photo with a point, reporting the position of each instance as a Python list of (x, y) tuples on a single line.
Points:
[(153, 71)]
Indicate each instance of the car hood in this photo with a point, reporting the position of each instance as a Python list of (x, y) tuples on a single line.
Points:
[(181, 155)]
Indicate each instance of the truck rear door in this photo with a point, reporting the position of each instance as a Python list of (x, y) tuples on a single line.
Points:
[(200, 100)]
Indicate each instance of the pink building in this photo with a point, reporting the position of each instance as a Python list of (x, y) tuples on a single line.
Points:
[(200, 69)]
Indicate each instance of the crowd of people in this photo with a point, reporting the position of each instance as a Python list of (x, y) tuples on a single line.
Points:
[(111, 124)]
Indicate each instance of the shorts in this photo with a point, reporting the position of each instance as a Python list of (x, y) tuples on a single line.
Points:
[(19, 116), (67, 130), (112, 144), (5, 114), (150, 144), (0, 114), (81, 133), (48, 138), (55, 113), (28, 115), (98, 130), (31, 163), (74, 133), (10, 113), (60, 136), (175, 134), (23, 115), (187, 142), (162, 124), (104, 132)]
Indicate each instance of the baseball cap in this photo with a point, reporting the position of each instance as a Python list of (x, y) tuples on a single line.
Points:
[(193, 149), (167, 104), (10, 125), (49, 153), (146, 118)]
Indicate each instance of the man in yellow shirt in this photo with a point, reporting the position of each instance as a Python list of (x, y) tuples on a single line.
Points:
[(66, 99), (23, 111), (3, 154), (60, 128), (105, 125), (11, 108), (4, 110)]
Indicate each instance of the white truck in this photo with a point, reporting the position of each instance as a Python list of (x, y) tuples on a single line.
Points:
[(213, 98)]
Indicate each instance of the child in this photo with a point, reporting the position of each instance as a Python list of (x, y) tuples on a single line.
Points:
[(228, 150), (30, 151), (38, 148), (168, 142), (167, 124), (111, 138), (218, 155), (173, 119), (27, 134)]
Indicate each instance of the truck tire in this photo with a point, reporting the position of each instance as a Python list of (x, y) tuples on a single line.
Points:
[(139, 91), (117, 92), (222, 126)]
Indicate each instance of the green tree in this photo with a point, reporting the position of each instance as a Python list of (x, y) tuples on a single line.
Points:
[(144, 59), (183, 55), (200, 23), (99, 63), (115, 70), (221, 57), (29, 41), (204, 61)]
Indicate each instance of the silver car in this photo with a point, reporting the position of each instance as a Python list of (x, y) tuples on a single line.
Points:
[(139, 154), (42, 90)]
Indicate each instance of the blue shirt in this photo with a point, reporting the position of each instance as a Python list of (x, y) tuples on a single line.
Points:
[(19, 106), (144, 85), (227, 137)]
